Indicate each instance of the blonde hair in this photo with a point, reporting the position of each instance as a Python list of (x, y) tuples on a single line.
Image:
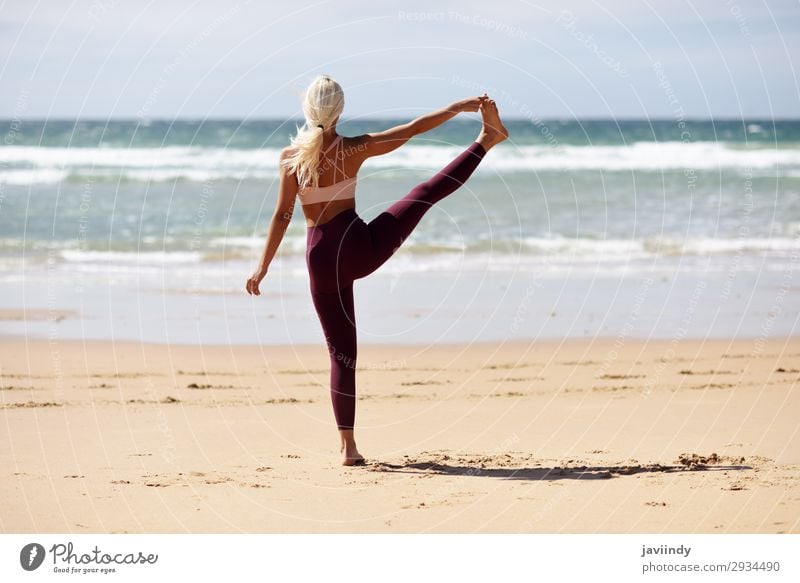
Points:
[(323, 102)]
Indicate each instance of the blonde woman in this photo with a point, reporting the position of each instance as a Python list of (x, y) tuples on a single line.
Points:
[(319, 168)]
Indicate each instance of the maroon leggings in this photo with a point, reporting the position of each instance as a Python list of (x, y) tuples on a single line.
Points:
[(346, 248)]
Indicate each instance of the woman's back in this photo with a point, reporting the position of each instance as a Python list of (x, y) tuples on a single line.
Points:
[(338, 166)]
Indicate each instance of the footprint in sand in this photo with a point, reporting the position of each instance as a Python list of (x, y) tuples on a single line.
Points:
[(508, 394), (210, 386), (303, 371), (218, 480), (203, 373), (422, 383), (284, 401), (713, 386), (516, 379), (695, 461), (510, 366), (30, 405), (614, 388), (165, 401), (156, 481)]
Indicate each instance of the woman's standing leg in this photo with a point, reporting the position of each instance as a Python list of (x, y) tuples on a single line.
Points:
[(337, 315)]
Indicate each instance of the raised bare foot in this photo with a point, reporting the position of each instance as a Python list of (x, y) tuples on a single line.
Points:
[(493, 131)]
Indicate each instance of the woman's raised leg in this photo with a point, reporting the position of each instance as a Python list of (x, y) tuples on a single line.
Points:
[(390, 228)]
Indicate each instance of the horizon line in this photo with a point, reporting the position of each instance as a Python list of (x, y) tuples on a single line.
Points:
[(369, 118)]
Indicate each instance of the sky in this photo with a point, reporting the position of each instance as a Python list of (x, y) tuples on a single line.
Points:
[(245, 59)]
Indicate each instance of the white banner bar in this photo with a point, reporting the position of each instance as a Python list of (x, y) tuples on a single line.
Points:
[(388, 557)]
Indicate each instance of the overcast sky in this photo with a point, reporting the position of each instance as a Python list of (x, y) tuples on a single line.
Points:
[(240, 59)]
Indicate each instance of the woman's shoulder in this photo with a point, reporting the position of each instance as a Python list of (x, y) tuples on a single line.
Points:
[(355, 144), (288, 152)]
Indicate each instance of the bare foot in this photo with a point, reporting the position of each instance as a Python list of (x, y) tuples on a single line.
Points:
[(351, 455), (349, 449), (493, 131)]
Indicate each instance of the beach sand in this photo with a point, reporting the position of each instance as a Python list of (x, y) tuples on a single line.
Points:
[(572, 437)]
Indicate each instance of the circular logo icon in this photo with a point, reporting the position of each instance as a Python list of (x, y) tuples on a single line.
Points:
[(31, 556)]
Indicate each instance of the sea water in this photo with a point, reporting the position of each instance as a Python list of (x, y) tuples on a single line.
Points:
[(148, 230)]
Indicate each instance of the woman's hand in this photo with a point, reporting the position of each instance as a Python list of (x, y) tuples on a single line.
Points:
[(255, 280), (470, 104)]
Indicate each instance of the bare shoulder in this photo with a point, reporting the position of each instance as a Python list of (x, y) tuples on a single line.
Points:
[(355, 145), (287, 152), (283, 160)]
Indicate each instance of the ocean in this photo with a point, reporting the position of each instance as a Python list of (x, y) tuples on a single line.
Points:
[(148, 231)]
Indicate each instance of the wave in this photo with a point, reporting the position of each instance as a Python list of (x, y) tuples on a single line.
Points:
[(130, 257), (22, 165), (23, 177), (556, 246), (427, 255)]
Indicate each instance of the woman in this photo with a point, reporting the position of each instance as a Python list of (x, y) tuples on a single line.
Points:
[(320, 169)]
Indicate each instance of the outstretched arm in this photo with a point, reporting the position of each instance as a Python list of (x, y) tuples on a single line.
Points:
[(287, 191), (378, 143)]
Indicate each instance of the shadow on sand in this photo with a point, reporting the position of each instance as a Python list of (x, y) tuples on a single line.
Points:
[(544, 473)]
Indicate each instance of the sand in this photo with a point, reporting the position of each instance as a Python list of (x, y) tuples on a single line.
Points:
[(596, 436)]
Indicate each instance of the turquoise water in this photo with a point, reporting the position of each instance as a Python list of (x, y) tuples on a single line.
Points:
[(254, 134), (608, 190)]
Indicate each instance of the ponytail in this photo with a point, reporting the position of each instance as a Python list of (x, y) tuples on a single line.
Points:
[(323, 103)]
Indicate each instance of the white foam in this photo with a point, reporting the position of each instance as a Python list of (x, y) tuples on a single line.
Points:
[(291, 244), (130, 257), (31, 165), (583, 249), (718, 246), (40, 165), (38, 176), (651, 156)]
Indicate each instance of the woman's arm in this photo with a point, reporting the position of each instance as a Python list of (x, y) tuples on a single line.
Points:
[(287, 192), (376, 144)]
